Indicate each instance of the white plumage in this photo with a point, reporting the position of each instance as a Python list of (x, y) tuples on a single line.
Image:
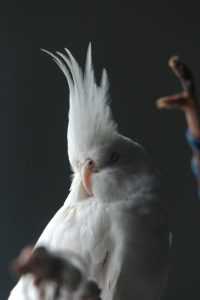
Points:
[(112, 217)]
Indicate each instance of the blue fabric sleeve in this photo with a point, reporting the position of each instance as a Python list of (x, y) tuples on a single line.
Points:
[(193, 141), (195, 167)]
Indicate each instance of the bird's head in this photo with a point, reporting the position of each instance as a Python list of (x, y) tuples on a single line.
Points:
[(106, 164), (113, 170)]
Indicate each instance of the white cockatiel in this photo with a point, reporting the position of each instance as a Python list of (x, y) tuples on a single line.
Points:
[(113, 216)]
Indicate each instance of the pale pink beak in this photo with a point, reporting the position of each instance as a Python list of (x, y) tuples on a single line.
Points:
[(86, 172)]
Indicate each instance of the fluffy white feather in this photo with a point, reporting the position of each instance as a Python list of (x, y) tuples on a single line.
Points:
[(90, 119)]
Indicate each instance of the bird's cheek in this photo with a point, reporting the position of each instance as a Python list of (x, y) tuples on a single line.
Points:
[(86, 174)]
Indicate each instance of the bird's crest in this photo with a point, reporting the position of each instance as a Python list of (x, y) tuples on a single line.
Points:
[(90, 119)]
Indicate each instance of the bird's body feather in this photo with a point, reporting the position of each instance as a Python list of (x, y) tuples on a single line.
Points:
[(100, 234)]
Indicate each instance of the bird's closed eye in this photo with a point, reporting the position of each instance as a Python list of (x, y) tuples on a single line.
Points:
[(114, 157)]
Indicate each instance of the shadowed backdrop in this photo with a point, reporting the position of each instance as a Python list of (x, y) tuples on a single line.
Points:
[(133, 42)]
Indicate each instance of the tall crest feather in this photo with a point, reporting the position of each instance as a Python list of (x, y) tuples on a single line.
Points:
[(90, 118)]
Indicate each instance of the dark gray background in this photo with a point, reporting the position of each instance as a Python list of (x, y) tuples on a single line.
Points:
[(133, 41)]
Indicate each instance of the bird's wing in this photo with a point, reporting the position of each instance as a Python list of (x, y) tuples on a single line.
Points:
[(137, 264)]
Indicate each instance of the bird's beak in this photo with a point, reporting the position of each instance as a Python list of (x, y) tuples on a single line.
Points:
[(87, 170)]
